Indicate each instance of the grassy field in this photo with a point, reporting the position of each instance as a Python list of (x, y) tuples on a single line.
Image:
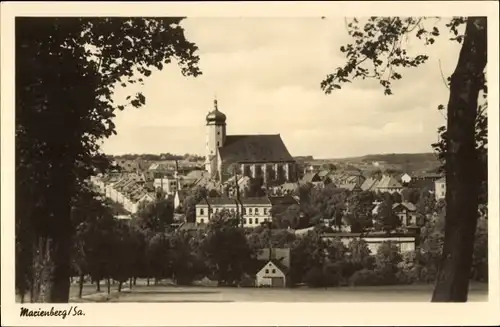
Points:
[(171, 293)]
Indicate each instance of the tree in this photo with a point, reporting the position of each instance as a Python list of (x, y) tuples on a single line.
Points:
[(386, 262), (93, 219), (307, 252), (386, 218), (380, 42), (254, 188), (360, 207), (66, 72), (156, 216), (226, 248), (426, 205), (190, 202)]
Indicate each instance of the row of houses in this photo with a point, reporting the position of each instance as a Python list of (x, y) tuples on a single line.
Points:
[(127, 189)]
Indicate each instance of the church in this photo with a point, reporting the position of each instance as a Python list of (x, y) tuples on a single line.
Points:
[(257, 156)]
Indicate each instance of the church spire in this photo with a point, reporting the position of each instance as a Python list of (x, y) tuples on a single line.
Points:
[(215, 103)]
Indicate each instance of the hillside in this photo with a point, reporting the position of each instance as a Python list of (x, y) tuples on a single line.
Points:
[(408, 162)]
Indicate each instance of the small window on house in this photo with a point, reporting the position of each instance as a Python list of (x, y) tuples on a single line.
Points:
[(250, 211), (202, 212), (267, 271), (265, 211), (244, 221), (250, 221), (218, 143), (218, 133), (256, 220), (274, 271)]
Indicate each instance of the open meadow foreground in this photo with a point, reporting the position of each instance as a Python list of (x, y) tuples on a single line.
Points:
[(142, 293)]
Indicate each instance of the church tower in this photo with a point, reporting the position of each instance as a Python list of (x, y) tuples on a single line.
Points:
[(215, 137)]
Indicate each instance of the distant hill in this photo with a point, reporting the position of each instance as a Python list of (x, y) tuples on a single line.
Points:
[(400, 161)]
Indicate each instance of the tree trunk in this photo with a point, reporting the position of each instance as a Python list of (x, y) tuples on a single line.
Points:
[(462, 179), (135, 281), (147, 281), (131, 282), (52, 267), (108, 282), (120, 283), (98, 285), (80, 286)]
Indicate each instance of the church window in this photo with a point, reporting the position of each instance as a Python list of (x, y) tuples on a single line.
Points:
[(202, 212)]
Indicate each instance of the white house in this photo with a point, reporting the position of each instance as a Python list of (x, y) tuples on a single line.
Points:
[(405, 179), (272, 274), (253, 211), (440, 189)]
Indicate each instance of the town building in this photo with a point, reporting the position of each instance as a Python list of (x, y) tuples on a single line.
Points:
[(440, 189), (407, 213), (253, 211), (256, 156), (274, 267)]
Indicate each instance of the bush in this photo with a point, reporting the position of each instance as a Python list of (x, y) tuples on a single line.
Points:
[(365, 277), (315, 277)]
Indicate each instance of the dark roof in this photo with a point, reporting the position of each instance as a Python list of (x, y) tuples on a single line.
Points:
[(215, 115), (283, 200), (254, 148), (310, 177), (220, 201), (280, 265), (255, 200)]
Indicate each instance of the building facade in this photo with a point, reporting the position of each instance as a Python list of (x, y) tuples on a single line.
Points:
[(440, 189)]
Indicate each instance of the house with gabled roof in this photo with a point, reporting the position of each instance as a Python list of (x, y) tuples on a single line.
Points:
[(274, 267), (388, 184)]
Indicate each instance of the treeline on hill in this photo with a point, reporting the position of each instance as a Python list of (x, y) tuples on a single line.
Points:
[(149, 247), (158, 157)]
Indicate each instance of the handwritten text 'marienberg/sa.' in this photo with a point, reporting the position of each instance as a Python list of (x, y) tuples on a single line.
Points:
[(72, 311)]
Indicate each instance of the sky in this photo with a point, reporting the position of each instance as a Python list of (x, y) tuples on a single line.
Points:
[(266, 75)]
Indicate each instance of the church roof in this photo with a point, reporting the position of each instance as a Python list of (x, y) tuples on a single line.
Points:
[(254, 148)]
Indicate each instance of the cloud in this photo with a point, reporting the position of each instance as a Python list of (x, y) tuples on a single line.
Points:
[(266, 74)]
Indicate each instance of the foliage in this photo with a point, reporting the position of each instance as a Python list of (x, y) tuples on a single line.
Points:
[(426, 205), (386, 261), (307, 251), (379, 52), (226, 249), (190, 202), (156, 216), (386, 219), (67, 70), (360, 207), (254, 188)]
